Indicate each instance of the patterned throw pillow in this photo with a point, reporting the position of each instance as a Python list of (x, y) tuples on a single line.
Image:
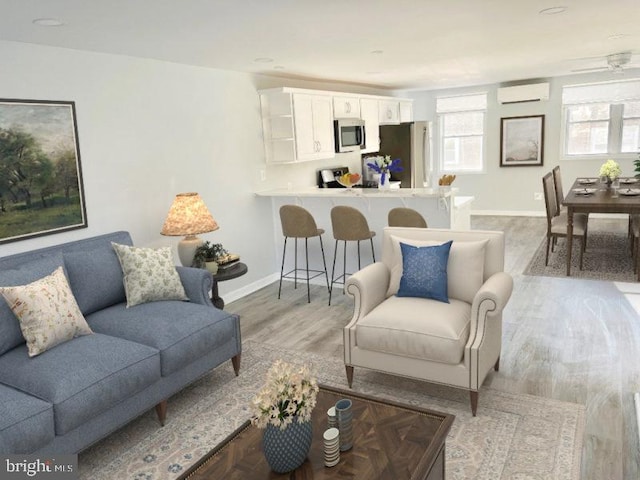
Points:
[(149, 275), (424, 272), (47, 311)]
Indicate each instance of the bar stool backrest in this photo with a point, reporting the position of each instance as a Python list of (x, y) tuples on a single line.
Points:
[(297, 222), (405, 217), (349, 224)]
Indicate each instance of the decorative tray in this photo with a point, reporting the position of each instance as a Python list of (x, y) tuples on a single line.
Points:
[(228, 259)]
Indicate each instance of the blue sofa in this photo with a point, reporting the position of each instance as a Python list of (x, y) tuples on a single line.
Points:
[(78, 392)]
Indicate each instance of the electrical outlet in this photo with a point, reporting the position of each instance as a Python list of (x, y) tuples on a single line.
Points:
[(537, 196), (263, 175)]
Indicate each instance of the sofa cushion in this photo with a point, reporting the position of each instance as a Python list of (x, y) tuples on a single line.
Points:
[(82, 378), (47, 312), (149, 275), (424, 272), (465, 268), (26, 422), (10, 333), (183, 332), (95, 277), (417, 327)]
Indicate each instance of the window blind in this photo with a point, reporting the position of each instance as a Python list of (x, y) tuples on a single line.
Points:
[(610, 92), (461, 103)]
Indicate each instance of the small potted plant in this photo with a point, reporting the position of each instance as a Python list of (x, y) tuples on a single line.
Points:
[(207, 256)]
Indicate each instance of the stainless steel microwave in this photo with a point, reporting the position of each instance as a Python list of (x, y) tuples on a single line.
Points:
[(349, 134)]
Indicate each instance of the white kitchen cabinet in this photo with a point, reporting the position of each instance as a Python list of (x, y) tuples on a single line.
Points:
[(296, 127), (406, 111), (369, 113), (389, 112), (313, 117), (346, 107)]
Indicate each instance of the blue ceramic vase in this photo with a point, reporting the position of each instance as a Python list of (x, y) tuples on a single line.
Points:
[(285, 450)]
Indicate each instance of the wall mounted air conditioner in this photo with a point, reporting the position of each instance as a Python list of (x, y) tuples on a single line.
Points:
[(524, 93)]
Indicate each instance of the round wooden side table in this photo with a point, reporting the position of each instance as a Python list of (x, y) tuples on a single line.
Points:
[(234, 271)]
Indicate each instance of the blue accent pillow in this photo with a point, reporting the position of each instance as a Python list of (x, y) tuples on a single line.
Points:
[(424, 272)]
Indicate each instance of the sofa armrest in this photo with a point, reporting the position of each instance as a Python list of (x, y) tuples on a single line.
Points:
[(197, 284), (368, 287)]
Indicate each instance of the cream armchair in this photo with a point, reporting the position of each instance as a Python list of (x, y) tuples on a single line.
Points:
[(454, 343)]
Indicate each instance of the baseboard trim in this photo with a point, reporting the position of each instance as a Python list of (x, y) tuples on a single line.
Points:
[(508, 213), (248, 289)]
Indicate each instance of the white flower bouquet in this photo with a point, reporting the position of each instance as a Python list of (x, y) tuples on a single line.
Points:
[(290, 391), (610, 169)]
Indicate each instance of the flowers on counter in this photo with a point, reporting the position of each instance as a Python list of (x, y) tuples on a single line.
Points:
[(384, 166), (290, 391), (610, 169)]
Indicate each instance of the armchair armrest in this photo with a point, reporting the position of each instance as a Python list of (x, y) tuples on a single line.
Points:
[(496, 290), (368, 287), (197, 284)]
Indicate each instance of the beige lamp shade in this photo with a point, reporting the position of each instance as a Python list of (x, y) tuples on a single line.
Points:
[(188, 216)]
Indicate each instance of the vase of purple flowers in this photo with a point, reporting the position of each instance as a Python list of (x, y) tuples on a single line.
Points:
[(383, 166)]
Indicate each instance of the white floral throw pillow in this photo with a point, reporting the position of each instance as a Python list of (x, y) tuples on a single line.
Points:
[(47, 311), (149, 275)]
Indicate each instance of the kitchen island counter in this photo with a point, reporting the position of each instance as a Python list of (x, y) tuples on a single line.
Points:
[(358, 192), (441, 208)]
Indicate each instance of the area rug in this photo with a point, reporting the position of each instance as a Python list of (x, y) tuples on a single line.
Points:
[(608, 257), (512, 436)]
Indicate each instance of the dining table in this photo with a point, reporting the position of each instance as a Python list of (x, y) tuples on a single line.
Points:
[(589, 195)]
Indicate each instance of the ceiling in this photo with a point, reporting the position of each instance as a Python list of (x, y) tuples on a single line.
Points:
[(389, 44)]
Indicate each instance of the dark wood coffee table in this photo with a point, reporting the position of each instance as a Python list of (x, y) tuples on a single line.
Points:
[(391, 441)]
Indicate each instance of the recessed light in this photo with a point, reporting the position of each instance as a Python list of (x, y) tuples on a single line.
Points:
[(278, 67), (377, 52), (263, 60), (552, 10), (48, 22)]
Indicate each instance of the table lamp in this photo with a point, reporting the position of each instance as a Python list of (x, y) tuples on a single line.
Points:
[(188, 216)]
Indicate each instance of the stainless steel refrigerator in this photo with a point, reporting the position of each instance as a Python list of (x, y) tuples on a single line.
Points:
[(411, 143)]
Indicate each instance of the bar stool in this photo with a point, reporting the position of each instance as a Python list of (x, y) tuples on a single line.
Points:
[(349, 225), (299, 223), (405, 217)]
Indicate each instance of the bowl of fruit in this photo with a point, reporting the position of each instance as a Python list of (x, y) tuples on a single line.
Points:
[(348, 180)]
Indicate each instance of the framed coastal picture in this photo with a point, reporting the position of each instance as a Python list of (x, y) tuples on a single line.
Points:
[(521, 141), (41, 189)]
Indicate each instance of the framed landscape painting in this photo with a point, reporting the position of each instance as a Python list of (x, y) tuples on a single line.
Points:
[(521, 141), (41, 189)]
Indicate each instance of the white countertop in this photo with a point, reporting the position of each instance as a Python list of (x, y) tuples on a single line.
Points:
[(357, 192)]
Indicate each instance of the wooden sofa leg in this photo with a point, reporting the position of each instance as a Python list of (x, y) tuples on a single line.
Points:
[(496, 367), (474, 402), (161, 411), (349, 370), (235, 361)]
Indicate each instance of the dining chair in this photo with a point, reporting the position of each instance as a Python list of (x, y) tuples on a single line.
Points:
[(557, 183), (557, 222)]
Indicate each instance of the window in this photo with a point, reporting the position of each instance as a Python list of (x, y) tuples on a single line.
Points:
[(461, 120), (601, 119)]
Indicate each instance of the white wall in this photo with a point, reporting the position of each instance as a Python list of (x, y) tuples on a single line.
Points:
[(148, 130), (511, 189)]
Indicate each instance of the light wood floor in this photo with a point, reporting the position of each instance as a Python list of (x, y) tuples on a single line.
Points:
[(563, 338)]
